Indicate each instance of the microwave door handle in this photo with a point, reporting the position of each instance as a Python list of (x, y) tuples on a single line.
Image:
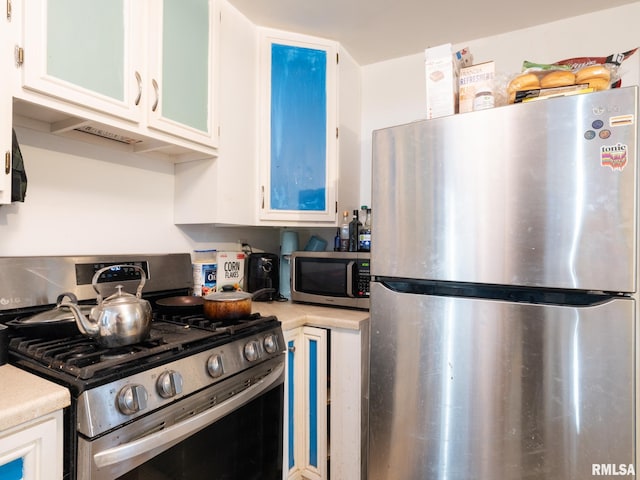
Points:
[(350, 269), (145, 447)]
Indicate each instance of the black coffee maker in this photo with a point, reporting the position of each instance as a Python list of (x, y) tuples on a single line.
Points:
[(263, 271)]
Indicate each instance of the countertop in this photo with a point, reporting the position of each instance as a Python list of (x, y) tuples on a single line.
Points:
[(26, 396), (294, 315)]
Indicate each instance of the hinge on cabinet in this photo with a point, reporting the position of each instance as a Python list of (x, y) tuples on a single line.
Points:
[(19, 54), (9, 10), (7, 162), (336, 207), (337, 132), (262, 195), (337, 58)]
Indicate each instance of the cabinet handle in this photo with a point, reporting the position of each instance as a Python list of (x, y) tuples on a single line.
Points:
[(7, 162), (157, 90), (262, 195), (139, 80), (292, 349)]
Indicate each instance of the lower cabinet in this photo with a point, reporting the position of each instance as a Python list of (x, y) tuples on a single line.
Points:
[(306, 404), (325, 404), (33, 450)]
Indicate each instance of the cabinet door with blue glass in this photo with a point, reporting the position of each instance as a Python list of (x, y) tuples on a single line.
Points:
[(298, 148)]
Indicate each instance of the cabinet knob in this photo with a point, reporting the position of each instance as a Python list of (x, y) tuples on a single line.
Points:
[(292, 349)]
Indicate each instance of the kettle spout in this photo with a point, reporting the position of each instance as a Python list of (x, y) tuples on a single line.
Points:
[(86, 325)]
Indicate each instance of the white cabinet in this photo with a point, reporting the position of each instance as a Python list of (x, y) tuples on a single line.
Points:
[(84, 52), (122, 73), (33, 450), (244, 186), (181, 77), (306, 404), (298, 128), (326, 411), (349, 360), (5, 113)]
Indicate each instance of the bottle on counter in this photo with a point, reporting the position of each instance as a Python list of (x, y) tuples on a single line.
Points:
[(364, 239), (336, 241), (354, 230), (344, 232)]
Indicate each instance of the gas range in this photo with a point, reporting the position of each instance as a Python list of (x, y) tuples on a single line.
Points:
[(188, 366), (144, 377)]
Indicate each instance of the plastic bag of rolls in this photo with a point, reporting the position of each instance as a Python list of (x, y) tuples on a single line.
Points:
[(574, 75)]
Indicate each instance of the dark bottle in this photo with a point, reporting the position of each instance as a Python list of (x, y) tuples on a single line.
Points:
[(365, 234), (336, 241), (354, 231)]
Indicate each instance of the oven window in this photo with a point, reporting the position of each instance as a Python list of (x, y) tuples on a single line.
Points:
[(246, 444), (322, 277)]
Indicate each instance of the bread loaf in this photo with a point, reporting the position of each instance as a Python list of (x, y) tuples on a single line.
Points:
[(558, 78), (586, 74)]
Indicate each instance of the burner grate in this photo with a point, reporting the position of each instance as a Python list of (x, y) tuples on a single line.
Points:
[(84, 358)]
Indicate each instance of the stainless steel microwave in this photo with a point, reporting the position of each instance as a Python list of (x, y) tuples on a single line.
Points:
[(338, 279)]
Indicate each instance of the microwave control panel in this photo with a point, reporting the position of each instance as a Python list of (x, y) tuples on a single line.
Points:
[(363, 278)]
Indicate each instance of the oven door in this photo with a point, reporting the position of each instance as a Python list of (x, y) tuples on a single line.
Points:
[(231, 430)]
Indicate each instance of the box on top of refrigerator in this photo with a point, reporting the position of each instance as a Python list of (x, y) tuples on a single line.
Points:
[(230, 270), (440, 84)]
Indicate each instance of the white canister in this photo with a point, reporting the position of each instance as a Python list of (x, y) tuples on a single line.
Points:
[(483, 100), (205, 270)]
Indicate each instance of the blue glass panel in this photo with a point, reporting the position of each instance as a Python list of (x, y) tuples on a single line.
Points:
[(313, 403), (291, 376), (298, 128), (12, 470)]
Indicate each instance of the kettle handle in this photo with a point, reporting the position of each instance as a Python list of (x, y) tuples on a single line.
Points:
[(96, 276)]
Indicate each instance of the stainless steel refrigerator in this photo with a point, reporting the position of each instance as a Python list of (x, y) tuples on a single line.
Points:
[(504, 294)]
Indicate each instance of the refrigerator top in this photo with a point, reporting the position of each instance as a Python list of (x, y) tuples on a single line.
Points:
[(542, 194)]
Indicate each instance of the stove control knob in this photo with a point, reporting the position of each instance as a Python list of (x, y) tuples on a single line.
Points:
[(251, 351), (214, 366), (271, 343), (132, 399), (169, 384)]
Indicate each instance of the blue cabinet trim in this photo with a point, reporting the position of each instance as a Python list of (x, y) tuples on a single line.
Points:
[(313, 403), (12, 470), (291, 397)]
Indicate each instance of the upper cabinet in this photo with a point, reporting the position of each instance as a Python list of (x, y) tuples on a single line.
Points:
[(123, 71), (182, 46), (85, 53), (5, 115), (298, 128)]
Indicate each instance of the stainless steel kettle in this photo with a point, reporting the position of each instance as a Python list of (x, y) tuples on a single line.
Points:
[(120, 319)]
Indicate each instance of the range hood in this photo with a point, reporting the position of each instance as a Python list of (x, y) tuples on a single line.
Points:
[(156, 144)]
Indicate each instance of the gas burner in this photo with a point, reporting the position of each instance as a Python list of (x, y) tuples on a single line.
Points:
[(115, 354)]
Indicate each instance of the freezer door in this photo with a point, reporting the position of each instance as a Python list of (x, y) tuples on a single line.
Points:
[(540, 194), (464, 388)]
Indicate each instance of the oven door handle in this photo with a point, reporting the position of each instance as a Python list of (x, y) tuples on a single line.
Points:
[(147, 447)]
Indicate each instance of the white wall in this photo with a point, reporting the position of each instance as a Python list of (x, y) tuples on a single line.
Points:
[(83, 199), (393, 92)]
